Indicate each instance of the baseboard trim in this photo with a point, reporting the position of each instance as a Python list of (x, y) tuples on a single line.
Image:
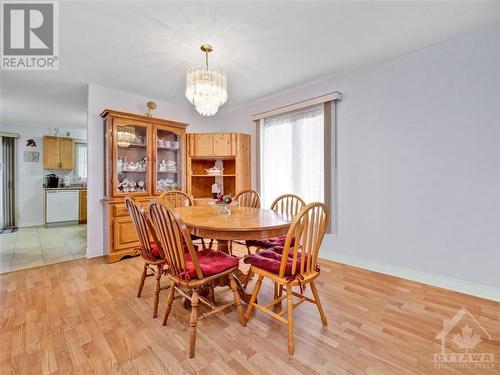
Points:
[(94, 253), (440, 281)]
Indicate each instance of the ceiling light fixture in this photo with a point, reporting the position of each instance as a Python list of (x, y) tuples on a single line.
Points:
[(206, 88)]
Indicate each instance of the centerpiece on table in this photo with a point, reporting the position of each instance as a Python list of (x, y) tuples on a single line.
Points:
[(223, 201)]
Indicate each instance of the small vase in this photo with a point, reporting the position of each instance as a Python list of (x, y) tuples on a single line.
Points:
[(223, 209)]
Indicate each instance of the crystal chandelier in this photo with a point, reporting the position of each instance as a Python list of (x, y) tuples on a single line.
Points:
[(125, 135), (206, 88)]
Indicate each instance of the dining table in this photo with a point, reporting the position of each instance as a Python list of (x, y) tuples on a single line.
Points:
[(240, 223)]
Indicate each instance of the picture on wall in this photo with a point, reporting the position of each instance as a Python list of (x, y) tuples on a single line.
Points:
[(31, 156)]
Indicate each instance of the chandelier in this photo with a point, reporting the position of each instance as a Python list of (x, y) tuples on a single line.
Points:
[(125, 135), (206, 88)]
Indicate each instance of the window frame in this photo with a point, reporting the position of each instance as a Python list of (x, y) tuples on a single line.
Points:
[(84, 142)]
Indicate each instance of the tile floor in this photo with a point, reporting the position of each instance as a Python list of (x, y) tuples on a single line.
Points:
[(37, 246)]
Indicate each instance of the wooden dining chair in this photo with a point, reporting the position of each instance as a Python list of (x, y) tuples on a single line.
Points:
[(190, 270), (294, 265), (151, 252), (287, 205), (246, 198), (177, 198)]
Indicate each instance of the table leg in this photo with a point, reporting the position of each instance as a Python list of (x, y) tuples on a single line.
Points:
[(223, 245)]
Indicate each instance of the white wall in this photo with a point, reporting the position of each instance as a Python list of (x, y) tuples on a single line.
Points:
[(29, 194), (100, 98), (418, 160)]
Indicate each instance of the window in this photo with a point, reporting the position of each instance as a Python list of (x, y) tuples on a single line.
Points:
[(292, 155), (81, 160)]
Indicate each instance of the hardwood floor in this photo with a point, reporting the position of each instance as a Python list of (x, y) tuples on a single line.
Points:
[(83, 317)]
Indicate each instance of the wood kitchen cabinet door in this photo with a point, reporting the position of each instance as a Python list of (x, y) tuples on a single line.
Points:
[(82, 208), (66, 153), (50, 152), (203, 144), (222, 144)]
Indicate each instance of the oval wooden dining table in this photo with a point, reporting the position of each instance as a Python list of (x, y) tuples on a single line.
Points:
[(242, 223)]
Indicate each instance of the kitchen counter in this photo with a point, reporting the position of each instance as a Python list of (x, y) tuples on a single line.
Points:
[(67, 188)]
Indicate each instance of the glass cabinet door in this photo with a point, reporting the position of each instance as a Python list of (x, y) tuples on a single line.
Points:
[(168, 161), (132, 156)]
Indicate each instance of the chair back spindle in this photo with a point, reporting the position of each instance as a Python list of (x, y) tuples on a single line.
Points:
[(288, 205), (143, 229), (304, 239), (174, 238), (176, 198), (248, 198)]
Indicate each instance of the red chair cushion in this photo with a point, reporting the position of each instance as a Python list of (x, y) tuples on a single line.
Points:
[(154, 250), (268, 242), (212, 262), (270, 260)]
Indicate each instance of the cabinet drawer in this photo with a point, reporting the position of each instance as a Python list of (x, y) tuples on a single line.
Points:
[(124, 234), (119, 209)]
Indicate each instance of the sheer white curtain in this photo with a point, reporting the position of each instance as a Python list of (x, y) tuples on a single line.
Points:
[(292, 155), (81, 160)]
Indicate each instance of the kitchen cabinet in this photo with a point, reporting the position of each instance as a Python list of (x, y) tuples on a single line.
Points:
[(82, 207), (58, 152)]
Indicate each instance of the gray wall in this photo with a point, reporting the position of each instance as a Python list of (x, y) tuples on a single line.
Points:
[(418, 158)]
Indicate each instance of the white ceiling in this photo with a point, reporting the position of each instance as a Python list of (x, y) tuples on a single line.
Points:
[(264, 47)]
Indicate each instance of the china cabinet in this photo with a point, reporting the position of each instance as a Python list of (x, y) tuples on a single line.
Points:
[(144, 157)]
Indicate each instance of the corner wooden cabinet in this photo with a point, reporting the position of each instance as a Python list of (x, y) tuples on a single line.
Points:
[(144, 156), (58, 152), (232, 150)]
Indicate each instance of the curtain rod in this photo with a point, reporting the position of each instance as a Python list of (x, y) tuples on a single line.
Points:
[(302, 104), (11, 135)]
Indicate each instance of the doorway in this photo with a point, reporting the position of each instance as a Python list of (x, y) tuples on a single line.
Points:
[(42, 223), (8, 182)]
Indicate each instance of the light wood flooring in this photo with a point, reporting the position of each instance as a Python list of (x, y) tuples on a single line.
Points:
[(83, 317)]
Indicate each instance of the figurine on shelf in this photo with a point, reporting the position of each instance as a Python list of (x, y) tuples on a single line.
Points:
[(127, 185), (168, 166), (166, 184), (216, 190), (216, 170), (163, 166), (142, 164), (121, 163)]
